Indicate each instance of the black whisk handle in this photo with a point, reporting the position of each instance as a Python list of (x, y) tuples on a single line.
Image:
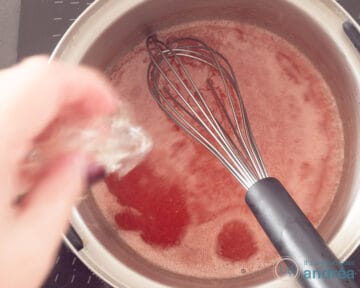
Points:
[(295, 237)]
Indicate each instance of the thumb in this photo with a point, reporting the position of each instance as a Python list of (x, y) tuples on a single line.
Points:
[(43, 215), (47, 208)]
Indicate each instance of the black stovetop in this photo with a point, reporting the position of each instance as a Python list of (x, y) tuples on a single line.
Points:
[(42, 23)]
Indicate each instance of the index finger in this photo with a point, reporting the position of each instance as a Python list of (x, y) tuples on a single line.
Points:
[(34, 93)]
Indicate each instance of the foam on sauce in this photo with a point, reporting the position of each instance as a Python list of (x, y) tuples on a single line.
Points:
[(180, 208)]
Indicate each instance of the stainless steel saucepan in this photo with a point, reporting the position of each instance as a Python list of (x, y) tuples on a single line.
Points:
[(111, 28)]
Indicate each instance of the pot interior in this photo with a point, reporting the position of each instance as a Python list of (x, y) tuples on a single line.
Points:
[(277, 16)]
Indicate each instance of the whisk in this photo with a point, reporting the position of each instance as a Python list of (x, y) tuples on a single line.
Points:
[(212, 111)]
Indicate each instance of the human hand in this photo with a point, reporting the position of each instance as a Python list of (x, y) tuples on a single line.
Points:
[(35, 95)]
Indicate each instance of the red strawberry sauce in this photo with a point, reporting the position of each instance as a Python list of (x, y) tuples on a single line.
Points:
[(180, 208)]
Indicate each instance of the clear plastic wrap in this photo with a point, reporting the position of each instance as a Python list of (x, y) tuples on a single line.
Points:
[(113, 143)]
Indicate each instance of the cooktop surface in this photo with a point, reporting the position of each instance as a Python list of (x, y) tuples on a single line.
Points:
[(42, 24)]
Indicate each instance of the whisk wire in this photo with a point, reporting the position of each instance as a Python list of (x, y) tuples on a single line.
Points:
[(189, 108), (222, 141), (175, 116), (224, 138), (252, 153), (203, 58), (238, 132)]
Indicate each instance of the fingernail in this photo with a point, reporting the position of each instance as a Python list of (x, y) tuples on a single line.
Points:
[(95, 173)]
